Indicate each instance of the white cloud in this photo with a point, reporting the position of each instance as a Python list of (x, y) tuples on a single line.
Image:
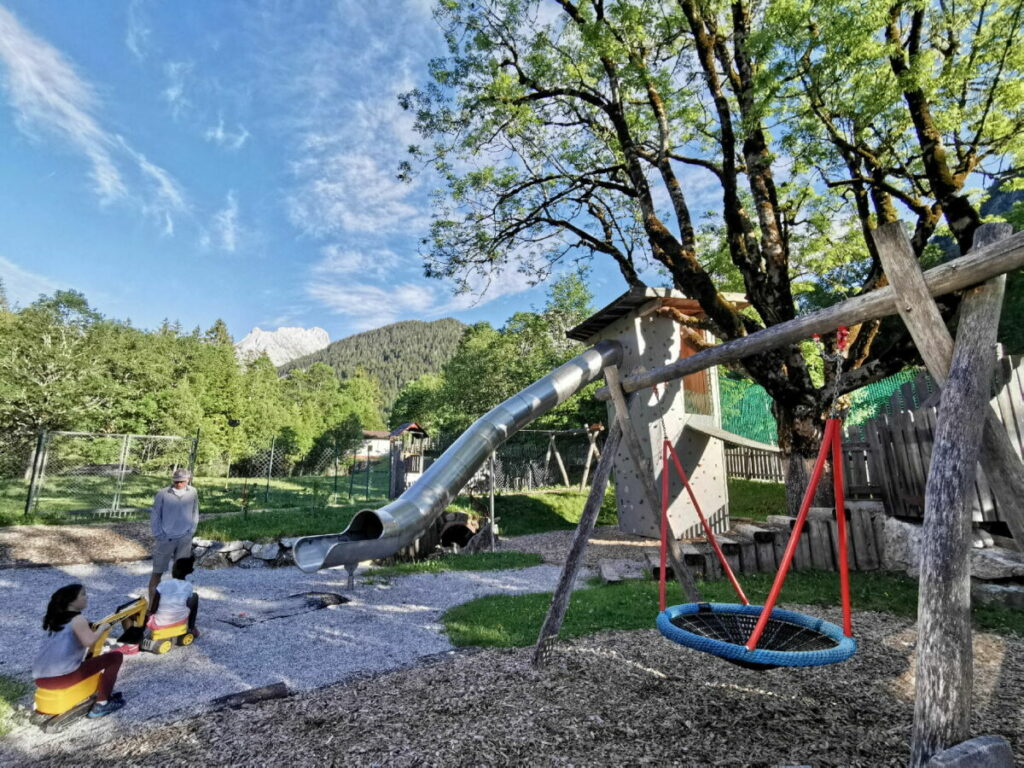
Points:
[(224, 228), (342, 261), (49, 97), (136, 37), (174, 93), (223, 137), (23, 287)]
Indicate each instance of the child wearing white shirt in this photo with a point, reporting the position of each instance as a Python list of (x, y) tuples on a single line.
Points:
[(174, 600)]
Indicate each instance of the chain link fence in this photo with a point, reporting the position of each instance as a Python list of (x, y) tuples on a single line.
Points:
[(100, 475), (534, 460)]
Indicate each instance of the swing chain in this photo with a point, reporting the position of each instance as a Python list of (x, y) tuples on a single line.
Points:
[(837, 405)]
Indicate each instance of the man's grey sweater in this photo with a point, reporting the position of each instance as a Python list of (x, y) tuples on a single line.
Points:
[(175, 515)]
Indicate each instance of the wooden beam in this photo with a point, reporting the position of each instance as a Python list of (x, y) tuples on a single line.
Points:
[(976, 267), (643, 468), (560, 600), (942, 702), (1003, 469)]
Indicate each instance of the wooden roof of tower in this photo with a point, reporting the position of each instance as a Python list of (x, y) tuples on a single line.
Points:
[(636, 300)]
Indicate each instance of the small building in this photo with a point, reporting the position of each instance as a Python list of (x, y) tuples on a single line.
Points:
[(376, 443), (408, 443), (658, 326)]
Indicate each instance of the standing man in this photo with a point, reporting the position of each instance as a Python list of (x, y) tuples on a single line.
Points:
[(175, 516)]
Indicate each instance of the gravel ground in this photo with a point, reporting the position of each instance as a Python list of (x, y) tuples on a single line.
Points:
[(386, 625), (619, 698)]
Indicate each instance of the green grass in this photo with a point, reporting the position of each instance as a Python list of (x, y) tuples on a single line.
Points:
[(63, 499), (11, 689), (520, 514), (276, 523), (483, 561), (514, 620), (756, 499)]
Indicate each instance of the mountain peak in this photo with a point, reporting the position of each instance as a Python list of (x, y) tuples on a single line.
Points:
[(283, 345)]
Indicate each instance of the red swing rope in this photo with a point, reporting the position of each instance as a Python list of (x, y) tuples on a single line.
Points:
[(667, 451), (831, 443)]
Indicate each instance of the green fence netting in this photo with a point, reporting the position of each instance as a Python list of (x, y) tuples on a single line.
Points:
[(746, 407)]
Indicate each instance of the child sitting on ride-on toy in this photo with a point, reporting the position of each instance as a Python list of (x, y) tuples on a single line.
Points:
[(175, 602), (61, 665)]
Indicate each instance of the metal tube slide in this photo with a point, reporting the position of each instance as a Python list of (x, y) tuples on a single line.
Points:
[(379, 533)]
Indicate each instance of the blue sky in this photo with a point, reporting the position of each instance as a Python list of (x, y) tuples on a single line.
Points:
[(199, 160)]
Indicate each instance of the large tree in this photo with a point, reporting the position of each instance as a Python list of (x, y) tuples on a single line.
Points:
[(593, 128)]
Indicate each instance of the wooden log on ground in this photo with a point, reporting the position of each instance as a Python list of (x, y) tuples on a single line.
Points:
[(942, 704), (573, 560), (693, 558), (653, 561), (822, 556), (748, 552), (764, 546), (1003, 468), (802, 560), (731, 551), (712, 567), (975, 267)]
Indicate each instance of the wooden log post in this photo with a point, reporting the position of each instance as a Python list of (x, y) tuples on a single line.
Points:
[(560, 599), (1003, 469), (942, 706), (561, 464), (643, 467)]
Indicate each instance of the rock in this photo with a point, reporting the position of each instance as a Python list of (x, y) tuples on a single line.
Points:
[(988, 751), (214, 559), (232, 546), (238, 554), (1002, 595), (198, 552), (901, 550), (289, 542), (204, 543), (268, 551), (996, 564)]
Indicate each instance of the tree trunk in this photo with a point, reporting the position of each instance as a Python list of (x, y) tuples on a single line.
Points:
[(800, 431)]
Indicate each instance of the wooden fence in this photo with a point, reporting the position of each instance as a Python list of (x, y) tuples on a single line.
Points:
[(752, 464), (887, 458)]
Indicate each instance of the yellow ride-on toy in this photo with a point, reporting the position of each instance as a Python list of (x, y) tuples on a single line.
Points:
[(54, 709)]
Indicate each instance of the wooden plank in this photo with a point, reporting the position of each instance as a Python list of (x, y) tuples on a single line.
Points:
[(747, 551), (820, 544), (942, 703), (864, 547), (731, 550), (878, 467), (764, 546), (878, 526), (712, 568), (977, 266), (609, 572)]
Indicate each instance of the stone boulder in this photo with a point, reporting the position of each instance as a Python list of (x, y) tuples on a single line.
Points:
[(269, 551), (214, 559), (996, 563)]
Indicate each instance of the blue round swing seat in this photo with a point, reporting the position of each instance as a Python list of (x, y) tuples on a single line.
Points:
[(790, 639)]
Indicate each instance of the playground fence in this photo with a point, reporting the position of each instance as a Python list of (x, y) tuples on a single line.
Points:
[(73, 474)]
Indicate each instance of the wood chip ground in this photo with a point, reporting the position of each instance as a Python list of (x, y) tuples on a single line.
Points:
[(618, 698)]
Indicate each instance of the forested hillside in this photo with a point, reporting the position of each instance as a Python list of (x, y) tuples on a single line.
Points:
[(393, 355)]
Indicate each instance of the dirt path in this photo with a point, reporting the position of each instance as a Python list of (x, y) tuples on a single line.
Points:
[(34, 545)]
